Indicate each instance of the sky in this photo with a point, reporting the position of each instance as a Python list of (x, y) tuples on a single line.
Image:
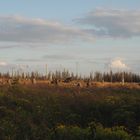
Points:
[(79, 35)]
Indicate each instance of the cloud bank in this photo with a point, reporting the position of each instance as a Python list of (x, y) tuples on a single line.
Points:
[(27, 30), (97, 23), (112, 23)]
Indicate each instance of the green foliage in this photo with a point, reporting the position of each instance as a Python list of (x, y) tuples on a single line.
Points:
[(48, 113), (114, 133), (70, 133)]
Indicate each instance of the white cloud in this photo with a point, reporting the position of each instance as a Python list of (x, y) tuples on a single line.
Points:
[(112, 23), (118, 64), (20, 29), (2, 63)]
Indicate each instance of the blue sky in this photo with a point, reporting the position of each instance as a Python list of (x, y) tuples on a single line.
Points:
[(63, 9), (96, 34)]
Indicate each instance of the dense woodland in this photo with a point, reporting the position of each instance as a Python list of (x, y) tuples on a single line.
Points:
[(41, 112)]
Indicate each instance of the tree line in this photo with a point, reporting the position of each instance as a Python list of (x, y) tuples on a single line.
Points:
[(62, 75)]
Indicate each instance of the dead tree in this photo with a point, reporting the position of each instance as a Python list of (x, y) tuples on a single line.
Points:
[(33, 81)]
